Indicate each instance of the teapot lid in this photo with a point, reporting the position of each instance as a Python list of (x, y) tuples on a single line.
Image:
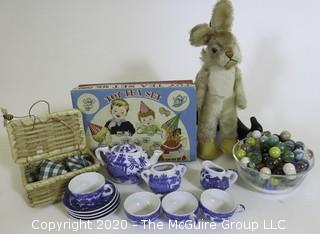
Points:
[(126, 148)]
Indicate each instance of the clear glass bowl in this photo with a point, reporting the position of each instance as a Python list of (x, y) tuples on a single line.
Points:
[(272, 184)]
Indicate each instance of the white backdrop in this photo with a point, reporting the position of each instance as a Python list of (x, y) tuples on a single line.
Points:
[(47, 47)]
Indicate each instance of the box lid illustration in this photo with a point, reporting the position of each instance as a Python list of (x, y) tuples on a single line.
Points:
[(154, 115)]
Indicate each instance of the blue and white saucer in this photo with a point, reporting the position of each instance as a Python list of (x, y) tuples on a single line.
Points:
[(97, 211), (73, 205), (102, 213)]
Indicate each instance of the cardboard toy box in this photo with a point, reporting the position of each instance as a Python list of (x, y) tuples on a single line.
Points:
[(154, 115)]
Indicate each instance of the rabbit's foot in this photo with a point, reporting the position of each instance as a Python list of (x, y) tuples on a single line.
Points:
[(207, 150)]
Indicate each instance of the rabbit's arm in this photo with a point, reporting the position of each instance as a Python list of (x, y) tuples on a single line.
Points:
[(201, 86), (241, 100)]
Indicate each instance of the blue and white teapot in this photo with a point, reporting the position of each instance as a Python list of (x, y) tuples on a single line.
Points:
[(126, 162)]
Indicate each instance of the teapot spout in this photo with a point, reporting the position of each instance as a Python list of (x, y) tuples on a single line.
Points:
[(154, 158)]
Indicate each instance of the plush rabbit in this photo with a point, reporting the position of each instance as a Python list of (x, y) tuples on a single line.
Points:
[(218, 83)]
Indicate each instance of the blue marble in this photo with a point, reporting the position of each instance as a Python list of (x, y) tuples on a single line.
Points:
[(301, 165), (269, 186), (298, 154)]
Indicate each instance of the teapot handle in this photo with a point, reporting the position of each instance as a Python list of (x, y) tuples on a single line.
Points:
[(145, 175), (98, 152), (233, 176)]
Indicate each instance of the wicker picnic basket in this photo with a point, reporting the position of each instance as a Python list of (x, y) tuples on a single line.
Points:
[(54, 136)]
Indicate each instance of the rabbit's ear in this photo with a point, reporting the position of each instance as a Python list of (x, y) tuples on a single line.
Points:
[(222, 16), (200, 35)]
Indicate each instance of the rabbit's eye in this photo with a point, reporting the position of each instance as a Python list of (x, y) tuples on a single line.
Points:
[(214, 50)]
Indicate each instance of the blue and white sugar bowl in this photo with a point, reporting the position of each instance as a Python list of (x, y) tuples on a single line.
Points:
[(125, 162), (217, 205), (215, 176), (180, 206), (141, 207), (164, 178)]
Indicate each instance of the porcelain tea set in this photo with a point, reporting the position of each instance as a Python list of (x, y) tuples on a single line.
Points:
[(91, 196), (129, 163)]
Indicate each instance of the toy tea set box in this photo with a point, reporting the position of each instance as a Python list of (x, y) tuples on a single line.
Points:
[(154, 115)]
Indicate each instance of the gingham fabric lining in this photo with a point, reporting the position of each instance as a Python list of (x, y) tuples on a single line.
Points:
[(48, 168), (77, 162)]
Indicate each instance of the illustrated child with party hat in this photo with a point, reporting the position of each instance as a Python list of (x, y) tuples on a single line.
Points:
[(117, 124), (173, 144), (147, 123)]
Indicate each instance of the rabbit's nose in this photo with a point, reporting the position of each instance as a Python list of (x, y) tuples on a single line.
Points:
[(229, 53)]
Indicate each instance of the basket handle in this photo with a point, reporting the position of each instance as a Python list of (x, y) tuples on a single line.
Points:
[(34, 116), (37, 102), (55, 119), (8, 117)]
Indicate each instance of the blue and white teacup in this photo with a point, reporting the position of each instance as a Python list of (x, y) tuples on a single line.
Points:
[(142, 207), (180, 206), (215, 176), (217, 205), (89, 187)]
